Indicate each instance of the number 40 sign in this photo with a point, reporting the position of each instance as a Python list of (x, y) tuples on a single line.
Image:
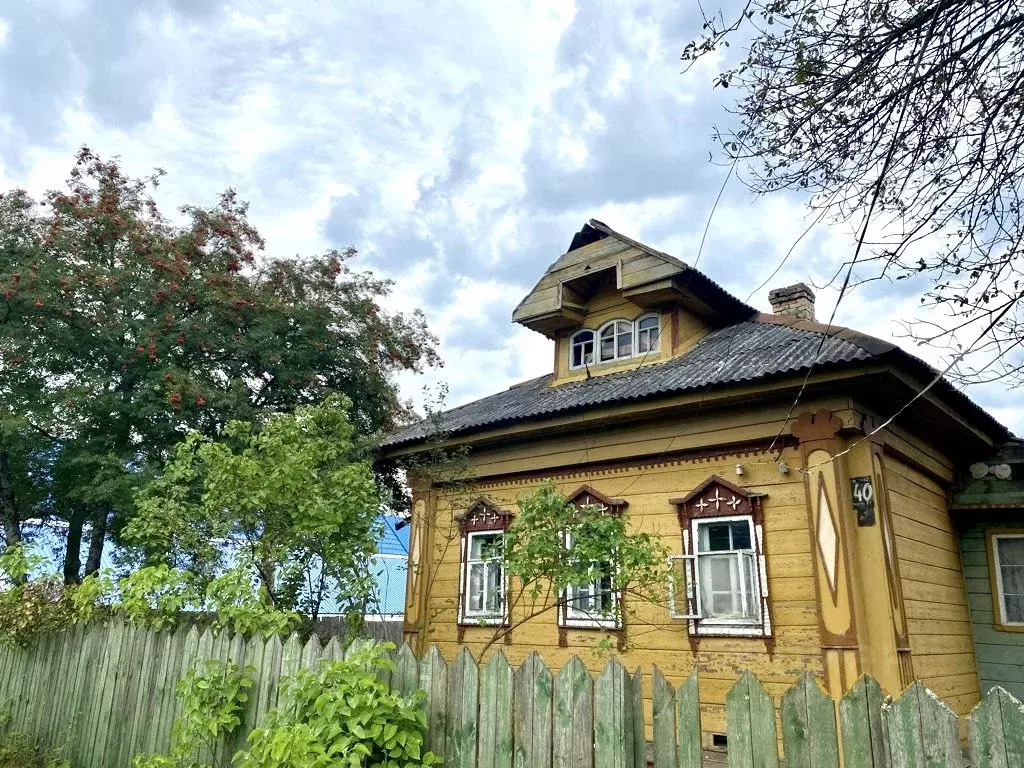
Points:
[(863, 500)]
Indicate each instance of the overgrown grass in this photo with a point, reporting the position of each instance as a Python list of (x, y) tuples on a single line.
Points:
[(18, 750)]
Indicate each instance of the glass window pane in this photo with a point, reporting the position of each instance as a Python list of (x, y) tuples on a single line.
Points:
[(1011, 551), (643, 342), (740, 535), (486, 546), (1014, 609), (714, 537), (476, 587), (608, 347), (625, 339), (649, 323), (494, 588)]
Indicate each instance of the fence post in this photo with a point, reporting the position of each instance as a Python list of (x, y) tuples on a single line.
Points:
[(613, 721), (495, 713), (995, 731), (434, 680), (663, 720), (860, 722), (532, 727), (688, 723), (921, 731), (573, 739), (750, 725), (809, 726), (463, 686)]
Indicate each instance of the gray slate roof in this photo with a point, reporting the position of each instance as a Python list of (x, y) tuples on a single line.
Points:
[(755, 349)]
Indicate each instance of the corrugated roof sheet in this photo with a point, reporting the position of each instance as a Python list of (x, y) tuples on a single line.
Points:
[(747, 351)]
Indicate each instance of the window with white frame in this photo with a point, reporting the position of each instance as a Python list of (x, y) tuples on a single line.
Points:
[(726, 570), (719, 584), (582, 349), (648, 333), (593, 604), (1008, 568), (483, 577), (615, 340)]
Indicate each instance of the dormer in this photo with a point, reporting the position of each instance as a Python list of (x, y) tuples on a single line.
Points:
[(611, 303)]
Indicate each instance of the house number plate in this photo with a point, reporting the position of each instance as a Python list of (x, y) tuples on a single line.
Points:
[(863, 500)]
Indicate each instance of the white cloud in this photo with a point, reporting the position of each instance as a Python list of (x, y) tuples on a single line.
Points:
[(458, 145)]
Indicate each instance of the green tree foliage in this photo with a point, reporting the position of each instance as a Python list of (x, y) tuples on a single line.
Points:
[(903, 119), (121, 330), (295, 499), (554, 544), (342, 714)]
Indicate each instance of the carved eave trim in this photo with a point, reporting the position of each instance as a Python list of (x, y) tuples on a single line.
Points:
[(585, 495)]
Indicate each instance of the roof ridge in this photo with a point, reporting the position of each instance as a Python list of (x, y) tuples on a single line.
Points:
[(870, 344)]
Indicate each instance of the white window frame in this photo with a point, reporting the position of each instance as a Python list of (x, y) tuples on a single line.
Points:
[(656, 347), (484, 617), (570, 617), (997, 567), (593, 349), (596, 341), (700, 624), (695, 524)]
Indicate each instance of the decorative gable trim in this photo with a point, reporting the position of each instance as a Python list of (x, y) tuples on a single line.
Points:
[(586, 496), (483, 515), (716, 497)]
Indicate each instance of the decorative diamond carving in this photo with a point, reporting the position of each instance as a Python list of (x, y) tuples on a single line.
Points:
[(828, 539)]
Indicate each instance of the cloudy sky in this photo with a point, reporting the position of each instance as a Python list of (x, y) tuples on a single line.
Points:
[(457, 145)]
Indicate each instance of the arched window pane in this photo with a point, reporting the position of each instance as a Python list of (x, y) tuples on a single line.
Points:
[(582, 348), (624, 339), (608, 343), (647, 334)]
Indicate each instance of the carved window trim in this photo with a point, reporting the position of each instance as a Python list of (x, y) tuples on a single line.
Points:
[(482, 516), (718, 499), (582, 497)]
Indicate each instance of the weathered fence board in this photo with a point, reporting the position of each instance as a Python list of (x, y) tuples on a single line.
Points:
[(573, 736), (496, 708), (103, 694)]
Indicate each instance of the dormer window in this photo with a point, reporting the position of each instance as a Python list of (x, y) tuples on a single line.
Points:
[(648, 333), (582, 349), (616, 340)]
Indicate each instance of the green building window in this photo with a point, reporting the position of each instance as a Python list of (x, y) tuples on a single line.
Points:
[(1008, 567)]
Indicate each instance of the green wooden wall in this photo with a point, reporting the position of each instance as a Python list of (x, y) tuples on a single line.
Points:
[(1000, 654)]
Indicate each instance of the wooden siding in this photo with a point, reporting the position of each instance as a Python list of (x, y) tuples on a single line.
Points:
[(652, 637), (938, 620), (1000, 654)]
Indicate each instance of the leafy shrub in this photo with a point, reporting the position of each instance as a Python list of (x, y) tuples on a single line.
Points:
[(342, 714), (17, 750), (212, 697)]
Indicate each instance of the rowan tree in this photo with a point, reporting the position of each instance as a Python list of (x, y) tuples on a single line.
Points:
[(121, 330), (905, 120)]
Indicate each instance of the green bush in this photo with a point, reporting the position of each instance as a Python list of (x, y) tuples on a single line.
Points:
[(342, 714), (17, 750)]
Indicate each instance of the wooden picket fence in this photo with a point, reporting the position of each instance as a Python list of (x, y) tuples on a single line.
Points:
[(105, 693)]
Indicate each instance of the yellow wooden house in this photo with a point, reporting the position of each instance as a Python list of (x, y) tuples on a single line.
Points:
[(799, 472)]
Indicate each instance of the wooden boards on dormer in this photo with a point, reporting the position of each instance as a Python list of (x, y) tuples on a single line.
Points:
[(603, 259)]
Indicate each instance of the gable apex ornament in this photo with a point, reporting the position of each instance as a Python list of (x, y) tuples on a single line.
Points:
[(483, 515), (717, 497), (587, 496)]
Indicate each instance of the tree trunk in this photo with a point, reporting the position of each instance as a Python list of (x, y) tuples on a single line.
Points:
[(8, 509), (73, 553), (96, 540)]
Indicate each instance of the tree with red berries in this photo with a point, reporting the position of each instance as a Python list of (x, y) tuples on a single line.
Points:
[(121, 330)]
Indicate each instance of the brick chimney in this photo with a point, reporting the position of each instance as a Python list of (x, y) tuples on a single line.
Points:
[(793, 301)]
